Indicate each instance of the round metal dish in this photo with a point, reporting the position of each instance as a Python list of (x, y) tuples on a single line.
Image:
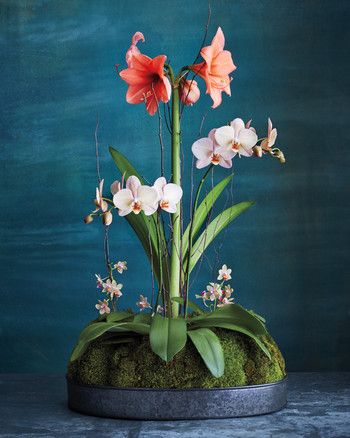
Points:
[(176, 404)]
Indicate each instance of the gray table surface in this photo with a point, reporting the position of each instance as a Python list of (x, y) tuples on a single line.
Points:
[(34, 405)]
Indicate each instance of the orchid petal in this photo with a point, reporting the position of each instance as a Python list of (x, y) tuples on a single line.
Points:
[(123, 199), (247, 138), (172, 193), (202, 148), (237, 124), (225, 136), (133, 184)]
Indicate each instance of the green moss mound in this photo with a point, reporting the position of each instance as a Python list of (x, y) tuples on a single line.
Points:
[(135, 365)]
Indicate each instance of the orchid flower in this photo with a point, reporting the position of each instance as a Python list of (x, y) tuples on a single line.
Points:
[(136, 197), (189, 91), (143, 303), (99, 281), (99, 201), (270, 140), (145, 78), (207, 151), (224, 301), (237, 138), (120, 267), (216, 68), (224, 273), (213, 291), (102, 307), (169, 195), (112, 288)]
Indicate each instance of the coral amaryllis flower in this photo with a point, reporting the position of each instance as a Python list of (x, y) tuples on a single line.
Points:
[(237, 138), (216, 68), (136, 197), (133, 49), (169, 195), (189, 91), (207, 151), (145, 77)]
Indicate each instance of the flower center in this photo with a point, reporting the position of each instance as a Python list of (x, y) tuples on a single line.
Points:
[(215, 159), (235, 145), (164, 204), (136, 207)]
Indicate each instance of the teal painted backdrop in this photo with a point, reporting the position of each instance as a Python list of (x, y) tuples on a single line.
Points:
[(288, 253)]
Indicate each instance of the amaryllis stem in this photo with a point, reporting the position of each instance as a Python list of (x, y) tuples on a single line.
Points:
[(176, 179)]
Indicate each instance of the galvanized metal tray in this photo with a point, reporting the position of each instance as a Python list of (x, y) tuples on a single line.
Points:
[(176, 404)]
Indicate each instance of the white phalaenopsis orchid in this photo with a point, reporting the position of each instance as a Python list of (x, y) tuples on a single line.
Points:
[(169, 195), (268, 142), (237, 138), (224, 273), (99, 201), (136, 197), (102, 307), (207, 151), (143, 303)]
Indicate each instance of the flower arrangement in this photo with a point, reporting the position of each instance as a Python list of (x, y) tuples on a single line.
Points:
[(154, 211)]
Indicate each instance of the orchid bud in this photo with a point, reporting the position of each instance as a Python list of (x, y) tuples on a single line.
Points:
[(88, 219), (107, 217), (189, 91), (115, 187), (257, 151)]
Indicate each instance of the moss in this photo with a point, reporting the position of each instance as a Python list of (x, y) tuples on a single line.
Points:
[(135, 365)]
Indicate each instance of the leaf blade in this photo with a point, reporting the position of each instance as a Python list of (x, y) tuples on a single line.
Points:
[(209, 347)]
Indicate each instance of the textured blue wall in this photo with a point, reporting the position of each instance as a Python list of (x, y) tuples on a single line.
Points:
[(288, 252)]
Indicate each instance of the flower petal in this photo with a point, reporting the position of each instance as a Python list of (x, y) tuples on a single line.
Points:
[(247, 138), (123, 199), (237, 125), (225, 136), (159, 184), (204, 162), (172, 193), (133, 184), (148, 197), (202, 148)]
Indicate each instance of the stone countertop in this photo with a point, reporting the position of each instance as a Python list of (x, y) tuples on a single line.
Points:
[(33, 405)]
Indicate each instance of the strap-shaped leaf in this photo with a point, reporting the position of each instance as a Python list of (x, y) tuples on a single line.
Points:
[(118, 316), (203, 210), (209, 347), (144, 227), (97, 329), (167, 336), (214, 228), (236, 318)]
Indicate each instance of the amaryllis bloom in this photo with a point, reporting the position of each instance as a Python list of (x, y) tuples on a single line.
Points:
[(189, 91), (133, 49), (268, 142), (224, 273), (102, 307), (145, 78), (99, 201), (237, 137), (120, 267), (136, 197), (143, 303), (169, 195), (207, 151), (112, 288), (216, 68)]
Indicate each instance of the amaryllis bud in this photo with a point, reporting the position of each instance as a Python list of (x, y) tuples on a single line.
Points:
[(189, 91), (88, 219), (257, 151), (107, 217)]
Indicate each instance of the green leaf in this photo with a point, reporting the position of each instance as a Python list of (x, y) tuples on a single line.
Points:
[(259, 317), (236, 318), (191, 304), (119, 340), (144, 227), (118, 316), (203, 210), (144, 318), (97, 329), (167, 336), (214, 228), (209, 347)]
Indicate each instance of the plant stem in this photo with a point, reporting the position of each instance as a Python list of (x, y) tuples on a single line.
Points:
[(176, 179), (190, 237)]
